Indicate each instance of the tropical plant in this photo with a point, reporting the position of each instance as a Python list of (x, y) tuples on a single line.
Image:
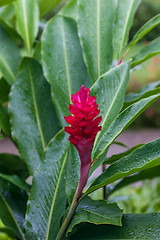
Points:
[(42, 62)]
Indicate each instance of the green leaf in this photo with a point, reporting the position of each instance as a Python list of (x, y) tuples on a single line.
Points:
[(12, 164), (121, 122), (145, 174), (4, 121), (109, 90), (4, 90), (47, 5), (97, 212), (13, 206), (147, 91), (134, 226), (27, 19), (144, 157), (123, 22), (63, 64), (72, 172), (116, 157), (95, 22), (37, 52), (147, 27), (70, 10), (147, 52), (48, 198), (32, 114), (8, 52), (5, 2)]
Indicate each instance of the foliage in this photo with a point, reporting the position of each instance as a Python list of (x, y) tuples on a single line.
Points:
[(42, 62)]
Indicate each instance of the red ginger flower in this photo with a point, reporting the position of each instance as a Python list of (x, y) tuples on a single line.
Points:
[(83, 130)]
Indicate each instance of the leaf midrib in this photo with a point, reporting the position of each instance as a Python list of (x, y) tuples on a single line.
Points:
[(26, 26), (97, 214), (10, 211)]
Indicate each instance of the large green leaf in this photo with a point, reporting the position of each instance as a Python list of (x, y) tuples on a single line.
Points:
[(123, 22), (145, 174), (109, 90), (48, 198), (8, 52), (4, 121), (144, 157), (97, 212), (13, 206), (147, 91), (12, 164), (134, 226), (147, 52), (70, 10), (63, 64), (121, 122), (72, 172), (4, 90), (147, 27), (47, 5), (5, 2), (32, 115), (27, 19), (95, 22)]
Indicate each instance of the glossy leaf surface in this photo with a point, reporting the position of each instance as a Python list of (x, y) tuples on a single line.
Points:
[(123, 22), (48, 198), (144, 157), (63, 64), (27, 17), (147, 27), (134, 226), (32, 114), (147, 52), (97, 212), (13, 207), (95, 22), (122, 121), (8, 52), (109, 90)]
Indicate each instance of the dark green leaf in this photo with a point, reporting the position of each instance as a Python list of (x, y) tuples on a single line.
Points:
[(134, 226), (63, 64), (12, 164), (32, 115), (147, 27), (4, 90), (48, 198), (147, 91), (123, 22), (27, 19), (122, 121), (37, 52), (4, 121), (5, 2), (147, 52), (97, 212), (13, 206), (116, 157), (95, 22), (8, 52), (144, 157), (145, 174)]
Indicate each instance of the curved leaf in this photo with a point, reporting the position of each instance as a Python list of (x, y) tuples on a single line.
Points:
[(70, 10), (147, 52), (8, 52), (95, 22), (32, 115), (123, 22), (13, 206), (4, 121), (4, 90), (147, 27), (144, 157), (97, 212), (134, 226), (63, 64), (47, 5), (48, 198), (27, 17), (122, 121), (109, 90)]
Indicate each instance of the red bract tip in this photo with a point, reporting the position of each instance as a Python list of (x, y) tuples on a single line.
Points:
[(83, 129)]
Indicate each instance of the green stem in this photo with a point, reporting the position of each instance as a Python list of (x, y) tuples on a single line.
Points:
[(68, 219)]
